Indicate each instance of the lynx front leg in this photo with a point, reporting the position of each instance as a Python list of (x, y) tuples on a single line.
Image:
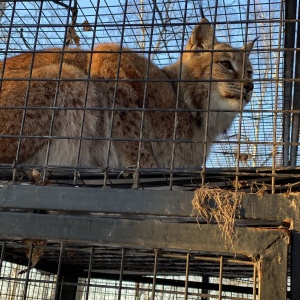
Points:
[(131, 152), (128, 154)]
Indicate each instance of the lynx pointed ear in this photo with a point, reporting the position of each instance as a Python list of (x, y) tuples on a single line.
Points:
[(202, 38), (248, 47)]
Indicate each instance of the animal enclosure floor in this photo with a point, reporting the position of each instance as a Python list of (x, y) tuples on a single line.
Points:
[(249, 180)]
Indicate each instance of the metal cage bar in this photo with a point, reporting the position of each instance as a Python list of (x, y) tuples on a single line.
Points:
[(239, 148), (119, 138)]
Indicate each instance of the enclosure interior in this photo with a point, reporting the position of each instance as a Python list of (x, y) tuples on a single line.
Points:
[(264, 136), (258, 154), (127, 273)]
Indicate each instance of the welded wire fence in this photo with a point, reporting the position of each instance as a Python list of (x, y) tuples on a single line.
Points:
[(112, 273), (158, 31), (143, 94)]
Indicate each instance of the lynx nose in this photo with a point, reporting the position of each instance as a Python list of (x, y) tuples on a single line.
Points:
[(248, 87)]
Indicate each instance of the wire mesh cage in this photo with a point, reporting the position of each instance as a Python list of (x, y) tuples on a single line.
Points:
[(114, 273), (149, 95), (151, 137)]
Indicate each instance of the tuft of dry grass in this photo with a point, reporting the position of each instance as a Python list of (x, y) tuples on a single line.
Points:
[(218, 205)]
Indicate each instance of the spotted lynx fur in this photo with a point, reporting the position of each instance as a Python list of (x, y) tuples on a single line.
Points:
[(127, 98)]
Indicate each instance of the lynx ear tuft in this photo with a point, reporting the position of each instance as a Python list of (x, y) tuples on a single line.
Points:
[(248, 47), (202, 38)]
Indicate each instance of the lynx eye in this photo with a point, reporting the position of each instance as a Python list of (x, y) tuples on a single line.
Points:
[(249, 74), (226, 64)]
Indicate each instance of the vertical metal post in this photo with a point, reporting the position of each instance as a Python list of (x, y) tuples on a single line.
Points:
[(154, 274), (275, 105), (291, 130), (2, 255), (187, 271), (58, 275), (28, 272), (296, 102), (89, 274), (295, 259), (121, 275), (288, 59), (273, 271), (254, 280), (221, 278)]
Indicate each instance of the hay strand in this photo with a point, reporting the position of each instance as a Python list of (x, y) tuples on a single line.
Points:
[(220, 206)]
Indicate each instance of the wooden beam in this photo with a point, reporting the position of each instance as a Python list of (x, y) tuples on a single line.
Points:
[(273, 270), (142, 202), (136, 233)]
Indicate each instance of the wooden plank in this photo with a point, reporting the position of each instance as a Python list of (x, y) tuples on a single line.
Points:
[(273, 272), (143, 202), (134, 233), (122, 201), (269, 207), (269, 210)]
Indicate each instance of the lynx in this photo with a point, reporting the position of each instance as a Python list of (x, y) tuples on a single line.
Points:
[(119, 108)]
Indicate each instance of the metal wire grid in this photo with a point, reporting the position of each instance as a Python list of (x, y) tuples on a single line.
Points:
[(116, 273), (159, 31), (12, 285), (250, 180), (127, 27)]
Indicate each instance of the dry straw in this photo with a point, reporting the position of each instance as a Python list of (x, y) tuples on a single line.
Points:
[(220, 206)]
